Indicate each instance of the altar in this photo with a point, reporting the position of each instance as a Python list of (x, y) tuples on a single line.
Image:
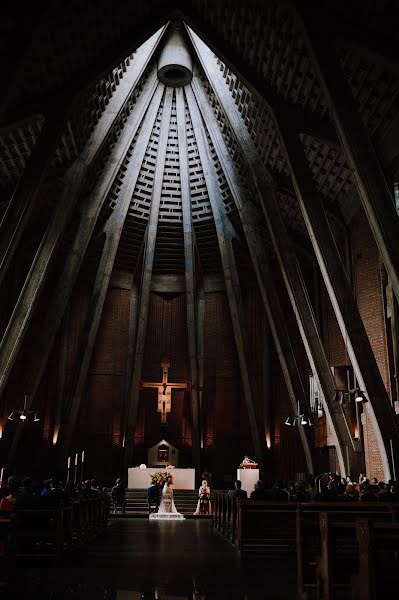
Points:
[(139, 479)]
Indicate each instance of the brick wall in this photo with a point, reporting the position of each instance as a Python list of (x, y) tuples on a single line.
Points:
[(368, 284)]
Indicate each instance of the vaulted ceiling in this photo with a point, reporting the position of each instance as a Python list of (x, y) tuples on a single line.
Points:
[(98, 158)]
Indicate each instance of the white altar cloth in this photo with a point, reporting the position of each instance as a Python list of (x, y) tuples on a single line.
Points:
[(139, 479), (248, 478)]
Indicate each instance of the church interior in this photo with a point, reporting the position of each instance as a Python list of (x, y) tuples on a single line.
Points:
[(199, 262)]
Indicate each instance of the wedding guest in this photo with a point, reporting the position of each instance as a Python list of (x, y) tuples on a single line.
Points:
[(301, 494), (238, 492), (56, 495), (94, 488), (311, 489), (351, 494), (278, 492), (367, 494), (118, 496), (204, 499), (46, 488), (7, 503), (259, 492)]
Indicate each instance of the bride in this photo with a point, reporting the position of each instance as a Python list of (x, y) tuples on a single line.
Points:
[(167, 504), (167, 508)]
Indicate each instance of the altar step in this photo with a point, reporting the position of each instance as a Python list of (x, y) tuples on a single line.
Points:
[(136, 503)]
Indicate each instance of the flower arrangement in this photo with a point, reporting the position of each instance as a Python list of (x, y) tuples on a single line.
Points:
[(161, 477)]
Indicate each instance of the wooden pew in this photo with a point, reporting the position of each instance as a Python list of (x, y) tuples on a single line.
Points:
[(40, 532), (378, 560), (265, 527), (7, 546), (374, 548), (310, 530), (50, 531)]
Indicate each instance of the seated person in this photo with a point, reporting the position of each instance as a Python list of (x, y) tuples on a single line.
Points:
[(238, 492), (7, 503), (351, 494), (153, 497), (300, 495), (259, 492), (278, 492), (367, 494), (328, 494), (118, 496), (94, 488), (204, 502), (56, 495)]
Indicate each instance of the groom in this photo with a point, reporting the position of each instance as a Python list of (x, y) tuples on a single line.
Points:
[(153, 497)]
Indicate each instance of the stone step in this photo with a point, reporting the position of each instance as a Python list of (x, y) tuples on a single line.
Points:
[(136, 502)]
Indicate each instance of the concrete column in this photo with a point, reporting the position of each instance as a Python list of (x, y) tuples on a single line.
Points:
[(225, 234), (146, 280), (189, 264)]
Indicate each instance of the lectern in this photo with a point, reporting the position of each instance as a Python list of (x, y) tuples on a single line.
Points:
[(248, 478)]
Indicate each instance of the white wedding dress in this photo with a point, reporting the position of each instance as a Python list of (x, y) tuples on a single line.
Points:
[(167, 509)]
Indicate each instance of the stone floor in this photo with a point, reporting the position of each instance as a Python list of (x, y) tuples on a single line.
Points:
[(135, 560)]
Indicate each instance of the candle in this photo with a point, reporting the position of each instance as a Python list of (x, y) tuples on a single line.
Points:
[(83, 456), (69, 462), (2, 475), (76, 459)]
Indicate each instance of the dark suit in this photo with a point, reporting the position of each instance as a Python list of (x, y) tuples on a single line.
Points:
[(238, 494), (153, 495)]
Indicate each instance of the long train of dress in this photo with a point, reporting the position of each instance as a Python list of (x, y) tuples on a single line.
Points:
[(167, 509)]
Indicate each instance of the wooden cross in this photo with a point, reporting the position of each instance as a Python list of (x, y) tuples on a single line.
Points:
[(165, 389)]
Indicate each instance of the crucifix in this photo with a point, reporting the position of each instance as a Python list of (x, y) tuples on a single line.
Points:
[(165, 389)]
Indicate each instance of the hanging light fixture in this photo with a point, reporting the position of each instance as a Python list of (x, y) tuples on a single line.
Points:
[(359, 395), (298, 419), (24, 413)]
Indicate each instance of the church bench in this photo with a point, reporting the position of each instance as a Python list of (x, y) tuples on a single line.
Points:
[(265, 527), (220, 504), (327, 547), (41, 532), (49, 532), (378, 548), (7, 545), (89, 517), (225, 515)]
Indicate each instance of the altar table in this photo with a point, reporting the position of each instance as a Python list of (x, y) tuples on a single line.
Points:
[(139, 479)]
